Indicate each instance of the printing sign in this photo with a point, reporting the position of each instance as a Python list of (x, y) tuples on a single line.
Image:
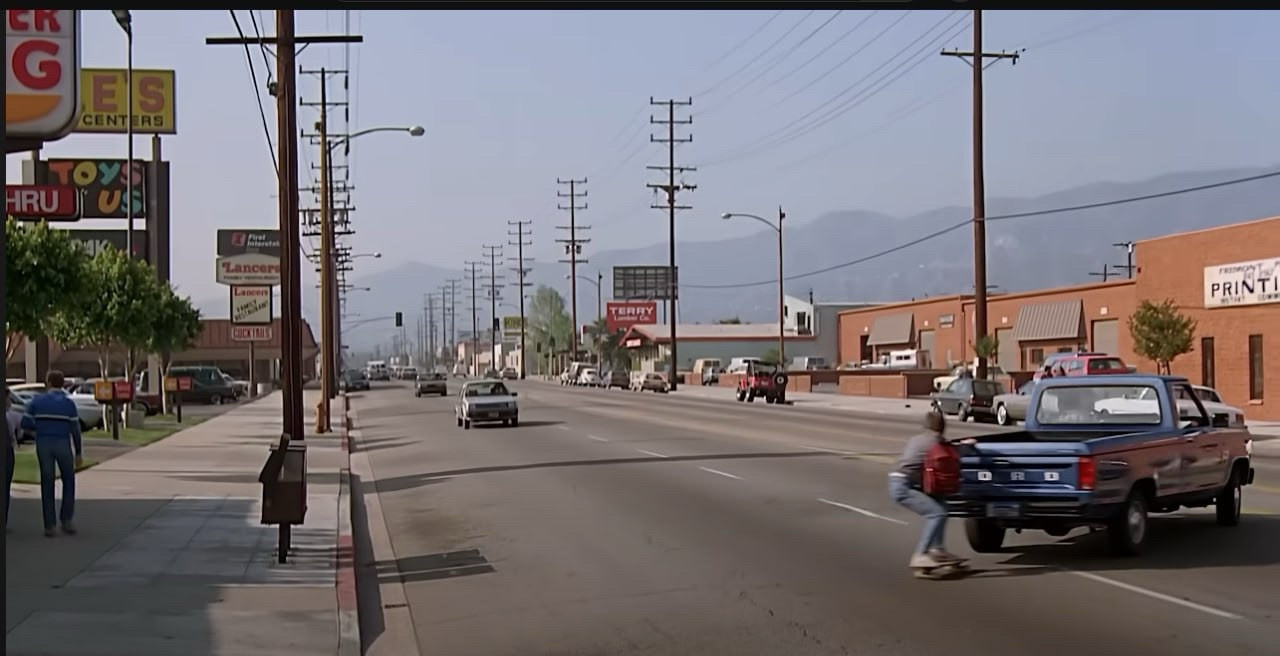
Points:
[(250, 304), (1242, 283)]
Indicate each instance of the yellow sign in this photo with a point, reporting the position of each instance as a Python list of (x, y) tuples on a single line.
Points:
[(104, 101), (512, 324)]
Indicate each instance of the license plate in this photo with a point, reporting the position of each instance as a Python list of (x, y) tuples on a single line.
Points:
[(1004, 510)]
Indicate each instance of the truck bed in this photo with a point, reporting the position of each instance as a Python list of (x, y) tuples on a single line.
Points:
[(1050, 436)]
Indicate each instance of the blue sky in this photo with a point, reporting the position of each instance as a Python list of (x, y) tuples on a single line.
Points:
[(513, 100)]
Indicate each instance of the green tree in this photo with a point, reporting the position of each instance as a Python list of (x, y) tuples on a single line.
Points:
[(125, 295), (770, 357), (1161, 333), (548, 322), (45, 273), (988, 348), (609, 346), (175, 326)]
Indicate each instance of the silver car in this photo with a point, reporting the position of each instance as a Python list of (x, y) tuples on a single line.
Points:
[(486, 401), (1011, 407)]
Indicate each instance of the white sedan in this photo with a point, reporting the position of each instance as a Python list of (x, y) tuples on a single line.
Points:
[(87, 407), (1209, 398), (590, 378), (486, 401)]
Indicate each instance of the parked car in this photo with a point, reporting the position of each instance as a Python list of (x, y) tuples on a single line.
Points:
[(1077, 466), (710, 375), (432, 383), (618, 378), (19, 404), (969, 397), (87, 407), (649, 382), (764, 381), (962, 370), (1011, 407), (486, 401), (510, 373), (590, 377), (1147, 401), (1083, 364), (354, 380)]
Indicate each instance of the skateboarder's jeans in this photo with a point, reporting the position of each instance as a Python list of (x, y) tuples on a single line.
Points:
[(933, 512)]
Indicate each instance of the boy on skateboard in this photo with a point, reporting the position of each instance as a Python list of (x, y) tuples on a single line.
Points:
[(907, 488)]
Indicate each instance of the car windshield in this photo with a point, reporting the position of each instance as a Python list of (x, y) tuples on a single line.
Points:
[(1107, 366), (432, 376), (486, 389), (1099, 405), (355, 374)]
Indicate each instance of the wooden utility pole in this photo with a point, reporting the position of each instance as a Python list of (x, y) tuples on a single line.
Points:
[(491, 289), (472, 273), (977, 61), (1105, 273), (284, 88), (522, 231), (671, 188), (573, 248), (1128, 263)]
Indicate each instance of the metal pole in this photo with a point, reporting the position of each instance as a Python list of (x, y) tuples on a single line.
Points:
[(599, 293), (128, 130), (782, 303)]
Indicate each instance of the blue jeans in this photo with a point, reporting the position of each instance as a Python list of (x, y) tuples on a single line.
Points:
[(8, 485), (50, 454), (934, 513)]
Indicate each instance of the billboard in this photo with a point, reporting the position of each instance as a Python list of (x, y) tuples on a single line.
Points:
[(242, 241), (513, 324), (103, 185), (621, 315), (96, 241), (631, 283), (104, 101), (42, 202), (1242, 283), (248, 269), (42, 74), (250, 304)]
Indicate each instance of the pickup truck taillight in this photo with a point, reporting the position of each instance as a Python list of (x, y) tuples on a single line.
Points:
[(1086, 474)]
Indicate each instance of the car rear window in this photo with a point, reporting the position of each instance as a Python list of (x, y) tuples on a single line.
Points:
[(1107, 366), (1099, 405)]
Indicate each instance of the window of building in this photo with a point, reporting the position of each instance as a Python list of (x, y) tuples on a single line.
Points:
[(1255, 367), (1207, 364), (1036, 358)]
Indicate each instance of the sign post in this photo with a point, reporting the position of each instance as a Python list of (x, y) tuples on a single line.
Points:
[(175, 386), (113, 393)]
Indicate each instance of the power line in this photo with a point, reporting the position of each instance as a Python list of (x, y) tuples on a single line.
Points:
[(738, 46), (1002, 217), (751, 62), (778, 60), (795, 129), (816, 55), (257, 92)]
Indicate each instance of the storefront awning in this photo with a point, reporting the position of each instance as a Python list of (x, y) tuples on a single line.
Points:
[(1055, 320), (893, 329)]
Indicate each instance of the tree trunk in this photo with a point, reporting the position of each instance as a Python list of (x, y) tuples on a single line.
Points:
[(104, 370), (165, 400)]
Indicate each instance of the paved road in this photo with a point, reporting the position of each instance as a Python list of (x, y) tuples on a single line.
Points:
[(621, 523)]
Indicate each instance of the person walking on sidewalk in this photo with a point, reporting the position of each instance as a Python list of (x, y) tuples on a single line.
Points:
[(56, 423), (906, 487), (13, 423)]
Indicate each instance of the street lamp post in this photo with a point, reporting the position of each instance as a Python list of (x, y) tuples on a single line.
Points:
[(782, 303), (125, 20)]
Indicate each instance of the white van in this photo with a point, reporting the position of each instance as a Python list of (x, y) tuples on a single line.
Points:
[(739, 365), (809, 363), (912, 359), (377, 370)]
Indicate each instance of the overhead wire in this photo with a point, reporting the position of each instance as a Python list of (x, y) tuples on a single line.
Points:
[(795, 130), (724, 102), (257, 92), (751, 62), (745, 40), (1001, 217), (840, 39)]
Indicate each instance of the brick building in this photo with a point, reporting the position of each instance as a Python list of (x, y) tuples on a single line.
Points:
[(1226, 278)]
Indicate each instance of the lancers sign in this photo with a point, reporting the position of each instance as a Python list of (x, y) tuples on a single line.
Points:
[(42, 73), (250, 304), (620, 315), (104, 95), (1242, 283), (248, 269)]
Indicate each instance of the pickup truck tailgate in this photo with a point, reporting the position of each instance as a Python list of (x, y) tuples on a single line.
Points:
[(1016, 479)]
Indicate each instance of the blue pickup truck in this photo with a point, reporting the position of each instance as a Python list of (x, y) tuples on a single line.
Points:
[(1090, 456)]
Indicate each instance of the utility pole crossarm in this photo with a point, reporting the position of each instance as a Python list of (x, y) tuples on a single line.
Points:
[(672, 188)]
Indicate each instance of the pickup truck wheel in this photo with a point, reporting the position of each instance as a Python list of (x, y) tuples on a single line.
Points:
[(1002, 415), (985, 536), (1230, 501), (1128, 532), (741, 396)]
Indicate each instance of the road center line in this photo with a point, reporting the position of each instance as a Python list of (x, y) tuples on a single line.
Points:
[(598, 438), (861, 511), (652, 453), (720, 473), (1156, 595)]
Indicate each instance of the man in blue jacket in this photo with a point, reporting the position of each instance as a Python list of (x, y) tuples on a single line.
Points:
[(52, 416)]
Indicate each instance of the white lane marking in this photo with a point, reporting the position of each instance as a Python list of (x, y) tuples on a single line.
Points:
[(720, 473), (652, 453), (1156, 595), (563, 427), (826, 450), (861, 511), (598, 438)]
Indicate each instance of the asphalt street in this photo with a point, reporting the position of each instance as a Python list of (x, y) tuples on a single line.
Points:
[(619, 523)]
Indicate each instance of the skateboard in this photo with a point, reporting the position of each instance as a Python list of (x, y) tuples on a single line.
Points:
[(946, 570)]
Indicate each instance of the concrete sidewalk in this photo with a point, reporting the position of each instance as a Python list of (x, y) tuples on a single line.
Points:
[(170, 557)]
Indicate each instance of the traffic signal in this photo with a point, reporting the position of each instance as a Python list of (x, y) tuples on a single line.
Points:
[(399, 319)]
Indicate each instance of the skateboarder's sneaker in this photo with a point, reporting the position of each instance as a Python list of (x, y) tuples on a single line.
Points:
[(924, 561), (943, 557)]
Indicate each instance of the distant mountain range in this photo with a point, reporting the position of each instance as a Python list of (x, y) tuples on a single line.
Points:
[(1023, 253)]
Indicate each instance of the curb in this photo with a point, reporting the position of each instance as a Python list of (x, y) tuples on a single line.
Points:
[(349, 641)]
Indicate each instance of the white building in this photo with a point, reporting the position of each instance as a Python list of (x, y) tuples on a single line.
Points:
[(819, 319)]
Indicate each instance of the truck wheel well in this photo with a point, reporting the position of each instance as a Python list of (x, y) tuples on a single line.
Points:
[(1146, 487), (1241, 469)]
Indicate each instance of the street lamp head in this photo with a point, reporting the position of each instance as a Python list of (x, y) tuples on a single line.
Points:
[(123, 17), (417, 131), (727, 215), (377, 255)]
